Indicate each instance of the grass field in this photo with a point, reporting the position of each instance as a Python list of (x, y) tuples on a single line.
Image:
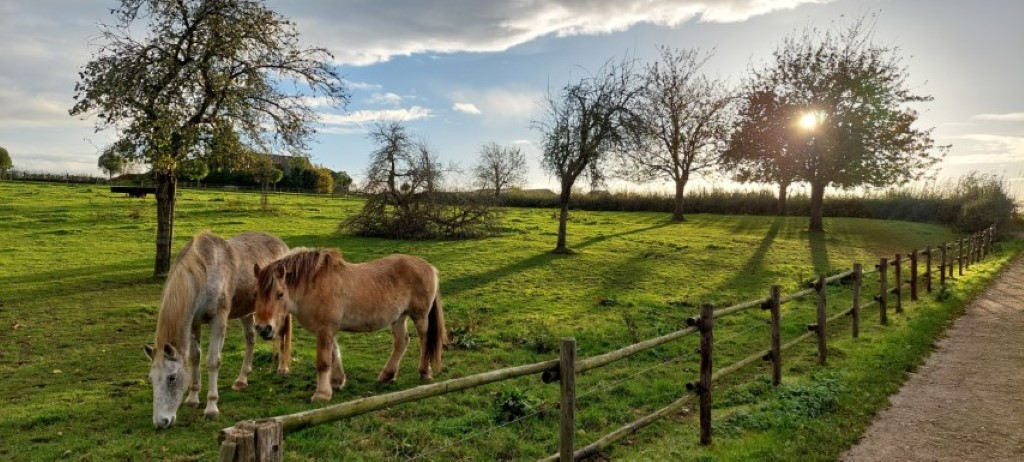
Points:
[(77, 303)]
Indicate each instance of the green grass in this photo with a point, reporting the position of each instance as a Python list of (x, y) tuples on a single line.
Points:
[(77, 303)]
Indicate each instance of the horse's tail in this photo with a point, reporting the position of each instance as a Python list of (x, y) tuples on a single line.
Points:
[(436, 334)]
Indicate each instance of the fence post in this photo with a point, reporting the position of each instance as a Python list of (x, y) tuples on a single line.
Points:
[(952, 256), (970, 253), (960, 257), (707, 322), (774, 306), (857, 273), (978, 246), (566, 424), (913, 275), (883, 291), (942, 267), (928, 265), (898, 287), (820, 328), (239, 444)]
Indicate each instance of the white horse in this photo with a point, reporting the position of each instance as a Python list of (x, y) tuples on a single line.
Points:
[(211, 281)]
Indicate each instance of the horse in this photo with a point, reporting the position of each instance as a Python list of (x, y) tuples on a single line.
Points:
[(209, 283), (325, 294)]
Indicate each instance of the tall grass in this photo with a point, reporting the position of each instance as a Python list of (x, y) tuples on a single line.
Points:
[(972, 200)]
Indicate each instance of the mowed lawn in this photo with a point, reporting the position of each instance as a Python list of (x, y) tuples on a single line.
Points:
[(77, 303)]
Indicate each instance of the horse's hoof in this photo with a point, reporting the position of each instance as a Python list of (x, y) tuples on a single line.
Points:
[(284, 372), (338, 384), (320, 397), (386, 377), (192, 401), (426, 376), (238, 386), (212, 413)]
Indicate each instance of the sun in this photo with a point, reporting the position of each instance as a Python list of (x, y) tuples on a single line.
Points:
[(809, 121)]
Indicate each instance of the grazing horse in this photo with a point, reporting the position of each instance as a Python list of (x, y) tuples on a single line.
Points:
[(211, 281), (325, 294)]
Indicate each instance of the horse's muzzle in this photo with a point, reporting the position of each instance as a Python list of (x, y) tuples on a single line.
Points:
[(266, 332)]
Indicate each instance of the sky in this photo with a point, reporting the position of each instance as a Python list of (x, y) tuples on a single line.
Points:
[(461, 73)]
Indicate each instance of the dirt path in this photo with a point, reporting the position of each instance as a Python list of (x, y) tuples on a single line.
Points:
[(967, 401)]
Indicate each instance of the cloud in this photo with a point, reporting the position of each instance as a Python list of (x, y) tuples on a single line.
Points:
[(361, 86), (356, 121), (986, 148), (501, 105), (468, 108), (388, 98), (1011, 117), (382, 30)]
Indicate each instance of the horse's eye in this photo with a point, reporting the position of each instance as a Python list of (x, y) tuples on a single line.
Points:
[(280, 295)]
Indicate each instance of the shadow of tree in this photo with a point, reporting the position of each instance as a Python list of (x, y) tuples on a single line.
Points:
[(819, 251), (752, 267)]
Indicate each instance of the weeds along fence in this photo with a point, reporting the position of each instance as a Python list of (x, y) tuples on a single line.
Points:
[(263, 440)]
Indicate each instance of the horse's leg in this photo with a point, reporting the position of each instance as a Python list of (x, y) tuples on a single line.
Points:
[(193, 359), (421, 331), (218, 328), (249, 330), (337, 371), (324, 365), (400, 339), (284, 360)]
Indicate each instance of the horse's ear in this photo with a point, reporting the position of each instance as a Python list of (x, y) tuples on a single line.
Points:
[(150, 351), (170, 352), (256, 269), (280, 272)]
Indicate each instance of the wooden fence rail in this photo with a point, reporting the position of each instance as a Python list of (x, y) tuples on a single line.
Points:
[(263, 440)]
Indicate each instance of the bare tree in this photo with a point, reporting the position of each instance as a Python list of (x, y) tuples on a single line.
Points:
[(500, 167), (584, 122), (683, 122)]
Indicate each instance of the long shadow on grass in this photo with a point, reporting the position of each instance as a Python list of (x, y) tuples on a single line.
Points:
[(751, 269), (819, 251), (458, 285)]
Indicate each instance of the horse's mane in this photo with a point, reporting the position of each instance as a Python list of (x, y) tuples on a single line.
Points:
[(300, 265), (182, 286)]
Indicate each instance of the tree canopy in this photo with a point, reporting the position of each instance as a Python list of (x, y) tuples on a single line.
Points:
[(174, 77), (5, 162), (857, 96), (499, 167)]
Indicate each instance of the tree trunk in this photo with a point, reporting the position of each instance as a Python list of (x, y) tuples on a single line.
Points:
[(677, 213), (783, 187), (165, 198), (563, 218), (817, 206)]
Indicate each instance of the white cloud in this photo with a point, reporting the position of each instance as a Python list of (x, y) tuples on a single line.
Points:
[(1011, 117), (986, 148), (387, 98), (355, 122), (383, 30), (515, 106), (468, 108), (361, 86)]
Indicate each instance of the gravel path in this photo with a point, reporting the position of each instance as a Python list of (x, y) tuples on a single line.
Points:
[(967, 401)]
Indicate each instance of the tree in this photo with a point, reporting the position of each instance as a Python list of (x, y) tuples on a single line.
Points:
[(500, 167), (762, 147), (194, 169), (584, 122), (404, 201), (682, 124), (265, 173), (342, 182), (111, 163), (851, 99), (172, 76), (324, 180), (5, 162)]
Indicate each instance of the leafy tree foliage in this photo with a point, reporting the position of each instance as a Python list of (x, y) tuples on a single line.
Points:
[(585, 122), (500, 167), (5, 162), (324, 180), (111, 163), (342, 182), (683, 122), (173, 76), (858, 92)]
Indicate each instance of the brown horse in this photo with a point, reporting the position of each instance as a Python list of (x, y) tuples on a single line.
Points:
[(327, 294), (209, 283)]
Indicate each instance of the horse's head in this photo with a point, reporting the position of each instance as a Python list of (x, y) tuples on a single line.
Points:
[(272, 302), (169, 377)]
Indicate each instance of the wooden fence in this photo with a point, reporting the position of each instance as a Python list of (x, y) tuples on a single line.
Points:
[(263, 440)]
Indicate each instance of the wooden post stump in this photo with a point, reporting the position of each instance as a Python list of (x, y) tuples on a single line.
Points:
[(942, 267), (960, 257), (897, 265), (928, 267), (913, 276), (883, 289)]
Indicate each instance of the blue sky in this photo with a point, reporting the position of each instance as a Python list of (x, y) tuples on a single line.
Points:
[(462, 73)]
